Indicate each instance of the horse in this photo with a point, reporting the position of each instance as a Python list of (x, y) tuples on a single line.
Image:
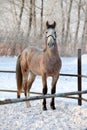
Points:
[(33, 61)]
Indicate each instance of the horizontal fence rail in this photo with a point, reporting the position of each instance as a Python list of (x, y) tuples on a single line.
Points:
[(38, 93), (9, 101), (72, 75), (7, 71), (15, 91)]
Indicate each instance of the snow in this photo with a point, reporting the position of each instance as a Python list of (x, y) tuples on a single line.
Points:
[(67, 116)]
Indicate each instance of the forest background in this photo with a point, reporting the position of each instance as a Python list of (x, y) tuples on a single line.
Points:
[(22, 23)]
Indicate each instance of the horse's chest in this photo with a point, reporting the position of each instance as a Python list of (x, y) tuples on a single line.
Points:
[(52, 67)]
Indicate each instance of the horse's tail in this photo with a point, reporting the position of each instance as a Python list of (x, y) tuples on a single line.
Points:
[(18, 77)]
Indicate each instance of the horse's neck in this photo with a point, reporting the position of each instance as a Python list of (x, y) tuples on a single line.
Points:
[(53, 52)]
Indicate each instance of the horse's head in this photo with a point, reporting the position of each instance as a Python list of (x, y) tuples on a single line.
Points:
[(50, 34)]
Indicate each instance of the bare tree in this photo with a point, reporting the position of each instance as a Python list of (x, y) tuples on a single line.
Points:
[(63, 27), (21, 13), (68, 22), (30, 17), (77, 27), (84, 33), (41, 17), (34, 16)]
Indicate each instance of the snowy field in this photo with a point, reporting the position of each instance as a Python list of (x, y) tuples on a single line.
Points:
[(67, 116)]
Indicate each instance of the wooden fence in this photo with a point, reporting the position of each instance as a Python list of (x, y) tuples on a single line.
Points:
[(66, 95), (8, 101)]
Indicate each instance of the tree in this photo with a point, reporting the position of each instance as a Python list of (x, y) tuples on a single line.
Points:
[(84, 33), (63, 27), (30, 17), (68, 22), (21, 13), (41, 28), (77, 27), (34, 16)]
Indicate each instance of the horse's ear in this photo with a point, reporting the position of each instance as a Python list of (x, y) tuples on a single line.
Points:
[(54, 24), (47, 24)]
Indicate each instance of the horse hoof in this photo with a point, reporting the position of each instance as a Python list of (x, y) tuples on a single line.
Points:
[(44, 108), (53, 107)]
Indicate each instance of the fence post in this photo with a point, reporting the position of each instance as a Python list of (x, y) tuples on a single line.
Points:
[(79, 77)]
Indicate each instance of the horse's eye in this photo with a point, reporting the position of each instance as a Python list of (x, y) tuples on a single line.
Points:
[(46, 32)]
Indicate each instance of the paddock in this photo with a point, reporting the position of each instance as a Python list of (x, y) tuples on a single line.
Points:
[(79, 77)]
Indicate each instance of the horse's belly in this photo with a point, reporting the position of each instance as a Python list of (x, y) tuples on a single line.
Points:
[(35, 71), (35, 68)]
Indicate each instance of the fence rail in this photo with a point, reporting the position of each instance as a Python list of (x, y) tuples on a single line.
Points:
[(61, 74), (15, 91), (7, 71), (9, 101)]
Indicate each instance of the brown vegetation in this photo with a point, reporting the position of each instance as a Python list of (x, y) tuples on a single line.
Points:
[(8, 49)]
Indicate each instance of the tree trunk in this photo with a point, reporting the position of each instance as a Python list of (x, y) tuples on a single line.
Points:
[(77, 27), (63, 29), (41, 31), (68, 22), (30, 18), (20, 15), (84, 34), (34, 16)]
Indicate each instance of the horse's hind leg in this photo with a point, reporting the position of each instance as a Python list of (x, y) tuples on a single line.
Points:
[(18, 93), (24, 84), (53, 90), (44, 81)]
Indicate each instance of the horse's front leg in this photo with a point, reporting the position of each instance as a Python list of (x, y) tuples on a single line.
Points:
[(53, 90), (44, 81)]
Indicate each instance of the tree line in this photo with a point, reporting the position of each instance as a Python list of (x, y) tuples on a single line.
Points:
[(22, 22)]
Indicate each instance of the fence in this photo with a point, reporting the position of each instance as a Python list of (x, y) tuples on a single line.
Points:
[(66, 95)]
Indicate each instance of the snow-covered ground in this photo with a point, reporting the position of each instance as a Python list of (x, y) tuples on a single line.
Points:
[(67, 116)]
